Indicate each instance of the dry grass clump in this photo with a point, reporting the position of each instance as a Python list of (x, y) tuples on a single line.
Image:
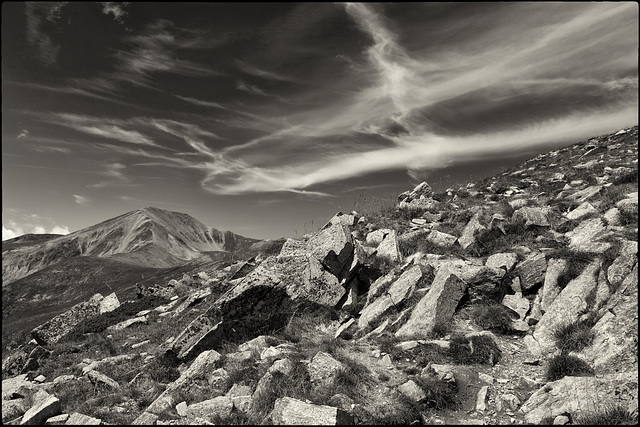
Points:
[(574, 336), (566, 365), (610, 415), (480, 349)]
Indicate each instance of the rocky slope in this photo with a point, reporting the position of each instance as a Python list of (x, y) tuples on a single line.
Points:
[(151, 237), (512, 300)]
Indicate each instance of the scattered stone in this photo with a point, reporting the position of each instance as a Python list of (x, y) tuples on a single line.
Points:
[(485, 378), (517, 303), (44, 406), (508, 402), (140, 344), (440, 239), (220, 406), (481, 399), (438, 305), (532, 270), (40, 379), (57, 420), (469, 232), (127, 323), (587, 235), (505, 260), (181, 409), (560, 420), (583, 210), (98, 378), (531, 216), (388, 248), (77, 419), (145, 419), (290, 411)]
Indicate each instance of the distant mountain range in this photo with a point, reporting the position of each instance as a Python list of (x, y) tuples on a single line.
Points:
[(148, 237)]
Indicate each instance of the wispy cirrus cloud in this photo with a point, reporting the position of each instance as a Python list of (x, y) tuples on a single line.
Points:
[(81, 200), (37, 13), (200, 102)]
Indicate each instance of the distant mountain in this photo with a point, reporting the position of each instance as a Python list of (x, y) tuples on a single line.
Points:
[(151, 237)]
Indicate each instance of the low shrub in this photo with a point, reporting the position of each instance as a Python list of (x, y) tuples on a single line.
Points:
[(574, 336), (566, 365), (492, 317), (609, 415), (480, 349), (626, 178)]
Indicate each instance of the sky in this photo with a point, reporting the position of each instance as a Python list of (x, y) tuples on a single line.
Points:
[(266, 119)]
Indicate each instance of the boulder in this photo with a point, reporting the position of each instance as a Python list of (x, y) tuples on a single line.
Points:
[(44, 406), (193, 299), (98, 378), (205, 362), (376, 237), (53, 330), (469, 232), (282, 367), (574, 396), (440, 239), (109, 303), (532, 270), (412, 391), (220, 406), (583, 210), (630, 204), (531, 216), (566, 308), (346, 329), (508, 402), (614, 347), (332, 246), (78, 419), (323, 369), (145, 419), (388, 248), (401, 289), (185, 344), (506, 260), (584, 195), (255, 345), (613, 216), (623, 265), (585, 237), (550, 289), (12, 409), (290, 411), (481, 399), (438, 305), (517, 303), (278, 352)]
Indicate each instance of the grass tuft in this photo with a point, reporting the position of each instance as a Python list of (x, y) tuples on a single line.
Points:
[(565, 365), (610, 415), (574, 336), (492, 317), (480, 349)]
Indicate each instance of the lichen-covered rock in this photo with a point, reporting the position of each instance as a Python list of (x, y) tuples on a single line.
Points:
[(53, 330), (506, 260), (412, 391), (551, 289), (586, 237), (579, 395), (438, 305), (532, 270), (323, 369), (469, 232), (290, 411), (388, 248), (531, 216), (44, 406), (567, 306)]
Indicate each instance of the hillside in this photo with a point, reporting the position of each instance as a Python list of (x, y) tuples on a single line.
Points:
[(150, 237), (512, 300)]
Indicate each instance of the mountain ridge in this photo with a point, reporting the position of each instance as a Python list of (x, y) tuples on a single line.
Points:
[(150, 236)]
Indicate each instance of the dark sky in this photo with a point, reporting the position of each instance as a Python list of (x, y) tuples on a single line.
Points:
[(266, 119)]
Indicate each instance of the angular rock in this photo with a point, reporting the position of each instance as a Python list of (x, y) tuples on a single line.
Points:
[(109, 303), (205, 362), (388, 248), (401, 289), (508, 402), (332, 246), (583, 210), (346, 330), (278, 351), (573, 300), (192, 300), (578, 395), (12, 409), (53, 330), (622, 267), (440, 239), (531, 216), (517, 303), (550, 289), (78, 419), (290, 411), (481, 399), (506, 260), (127, 323), (376, 237), (44, 406), (255, 345), (438, 305), (532, 270), (469, 232), (145, 419), (220, 406), (98, 378), (282, 367), (584, 195), (58, 420), (613, 216), (614, 347), (323, 369), (585, 237)]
